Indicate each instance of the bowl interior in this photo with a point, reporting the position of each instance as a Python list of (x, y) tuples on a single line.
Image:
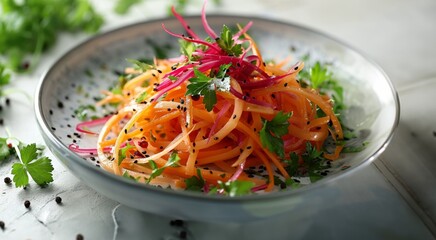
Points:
[(79, 76)]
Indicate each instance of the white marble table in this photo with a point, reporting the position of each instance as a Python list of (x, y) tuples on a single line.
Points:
[(390, 199)]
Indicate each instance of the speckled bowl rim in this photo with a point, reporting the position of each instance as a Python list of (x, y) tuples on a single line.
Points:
[(45, 129)]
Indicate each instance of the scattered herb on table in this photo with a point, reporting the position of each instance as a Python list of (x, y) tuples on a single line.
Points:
[(30, 27), (31, 162)]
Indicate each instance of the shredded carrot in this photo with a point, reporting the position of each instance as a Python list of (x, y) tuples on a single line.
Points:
[(157, 117)]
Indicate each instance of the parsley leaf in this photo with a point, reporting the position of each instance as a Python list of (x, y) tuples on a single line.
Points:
[(83, 110), (187, 48), (141, 97), (40, 169), (233, 188), (207, 86), (203, 85), (227, 44), (195, 183), (156, 171), (272, 132), (122, 154)]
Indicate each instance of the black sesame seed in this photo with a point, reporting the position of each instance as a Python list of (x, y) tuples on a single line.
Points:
[(296, 68), (159, 71), (1, 121), (60, 104), (7, 180), (286, 84), (27, 204), (182, 101), (68, 136), (215, 138), (125, 131), (58, 200), (51, 112), (169, 109), (234, 116), (161, 147), (249, 147), (2, 225)]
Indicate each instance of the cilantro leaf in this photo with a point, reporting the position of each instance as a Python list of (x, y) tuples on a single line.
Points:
[(123, 152), (40, 169), (203, 85), (272, 132), (141, 65), (319, 74), (83, 110), (187, 48), (233, 188), (21, 179), (141, 97), (195, 183), (28, 153), (156, 171), (227, 44)]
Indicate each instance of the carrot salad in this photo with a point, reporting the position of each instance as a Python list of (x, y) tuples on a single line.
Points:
[(217, 117)]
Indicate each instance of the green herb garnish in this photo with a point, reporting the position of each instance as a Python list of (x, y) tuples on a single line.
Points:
[(227, 43), (39, 168), (272, 132)]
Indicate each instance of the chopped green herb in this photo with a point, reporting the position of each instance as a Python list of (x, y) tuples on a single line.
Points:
[(272, 132), (31, 26), (83, 112), (156, 171), (195, 183), (203, 85), (39, 168), (233, 188), (227, 43), (141, 97), (141, 65), (187, 48), (122, 154)]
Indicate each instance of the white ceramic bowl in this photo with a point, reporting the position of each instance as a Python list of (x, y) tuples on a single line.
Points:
[(81, 73)]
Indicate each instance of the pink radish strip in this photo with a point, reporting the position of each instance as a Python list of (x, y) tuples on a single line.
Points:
[(81, 127), (184, 24), (206, 26)]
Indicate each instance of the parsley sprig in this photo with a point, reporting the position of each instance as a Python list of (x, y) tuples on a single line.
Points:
[(272, 132), (206, 86), (227, 44), (31, 162)]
